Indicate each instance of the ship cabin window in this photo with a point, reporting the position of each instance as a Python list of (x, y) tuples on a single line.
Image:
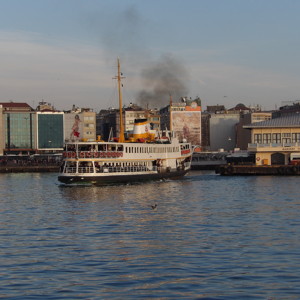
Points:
[(70, 147), (84, 148), (70, 167), (102, 147), (119, 147), (85, 167), (111, 147)]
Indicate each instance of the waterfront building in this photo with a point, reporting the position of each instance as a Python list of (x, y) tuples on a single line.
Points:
[(45, 106), (17, 128), (184, 119), (106, 122), (50, 132), (221, 127), (243, 136), (80, 124), (274, 141), (222, 131), (288, 108)]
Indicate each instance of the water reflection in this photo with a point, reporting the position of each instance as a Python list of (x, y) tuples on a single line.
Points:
[(210, 236)]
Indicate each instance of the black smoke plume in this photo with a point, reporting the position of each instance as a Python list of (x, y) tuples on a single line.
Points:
[(162, 79)]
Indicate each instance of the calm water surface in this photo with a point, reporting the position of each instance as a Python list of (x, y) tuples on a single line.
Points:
[(210, 237)]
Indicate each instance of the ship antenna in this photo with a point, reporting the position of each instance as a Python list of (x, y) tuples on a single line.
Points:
[(119, 78)]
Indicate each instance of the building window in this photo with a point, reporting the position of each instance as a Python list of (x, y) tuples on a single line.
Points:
[(88, 118), (295, 137), (257, 138), (286, 138), (276, 138), (267, 138)]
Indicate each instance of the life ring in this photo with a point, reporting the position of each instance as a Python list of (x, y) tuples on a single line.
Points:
[(69, 154), (88, 154), (258, 158), (73, 154), (81, 154), (96, 154)]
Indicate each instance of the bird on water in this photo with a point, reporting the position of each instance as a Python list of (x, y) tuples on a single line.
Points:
[(154, 206)]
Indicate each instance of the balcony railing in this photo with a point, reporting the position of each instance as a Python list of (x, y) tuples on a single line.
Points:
[(274, 145)]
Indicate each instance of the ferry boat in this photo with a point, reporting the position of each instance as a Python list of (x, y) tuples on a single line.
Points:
[(146, 155)]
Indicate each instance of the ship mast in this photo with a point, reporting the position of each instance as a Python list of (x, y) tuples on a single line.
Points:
[(171, 120), (119, 77)]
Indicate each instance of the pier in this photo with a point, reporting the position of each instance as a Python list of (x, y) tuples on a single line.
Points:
[(244, 170), (24, 169)]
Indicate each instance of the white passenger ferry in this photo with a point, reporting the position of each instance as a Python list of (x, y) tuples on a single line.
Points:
[(146, 155)]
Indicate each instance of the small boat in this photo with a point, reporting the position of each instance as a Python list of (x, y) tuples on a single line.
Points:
[(145, 155)]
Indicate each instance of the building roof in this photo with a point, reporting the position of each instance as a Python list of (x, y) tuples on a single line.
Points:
[(15, 105), (239, 107), (214, 108), (288, 121)]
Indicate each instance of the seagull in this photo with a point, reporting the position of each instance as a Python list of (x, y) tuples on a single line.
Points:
[(154, 206)]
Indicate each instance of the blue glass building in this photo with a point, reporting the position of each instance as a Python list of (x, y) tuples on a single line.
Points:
[(50, 130)]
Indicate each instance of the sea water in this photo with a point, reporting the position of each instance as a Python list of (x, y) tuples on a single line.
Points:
[(210, 237)]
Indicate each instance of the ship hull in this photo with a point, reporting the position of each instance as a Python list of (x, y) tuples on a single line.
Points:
[(120, 179)]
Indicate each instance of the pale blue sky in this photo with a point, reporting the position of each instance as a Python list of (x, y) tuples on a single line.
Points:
[(65, 51)]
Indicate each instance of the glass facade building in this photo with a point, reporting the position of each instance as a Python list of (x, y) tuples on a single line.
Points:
[(19, 131), (50, 130)]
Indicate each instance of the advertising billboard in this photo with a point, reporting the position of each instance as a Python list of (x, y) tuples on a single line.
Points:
[(187, 125), (73, 126)]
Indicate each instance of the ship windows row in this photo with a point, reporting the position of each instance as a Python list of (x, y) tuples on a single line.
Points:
[(151, 149)]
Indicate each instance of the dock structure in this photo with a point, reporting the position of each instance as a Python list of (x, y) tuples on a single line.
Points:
[(28, 169), (245, 170)]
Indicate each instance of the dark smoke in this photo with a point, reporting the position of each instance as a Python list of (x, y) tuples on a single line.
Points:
[(163, 78), (122, 34)]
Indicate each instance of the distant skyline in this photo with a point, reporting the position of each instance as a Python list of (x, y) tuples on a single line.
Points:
[(225, 52)]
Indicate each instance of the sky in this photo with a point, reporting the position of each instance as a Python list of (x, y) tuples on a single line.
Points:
[(224, 51)]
